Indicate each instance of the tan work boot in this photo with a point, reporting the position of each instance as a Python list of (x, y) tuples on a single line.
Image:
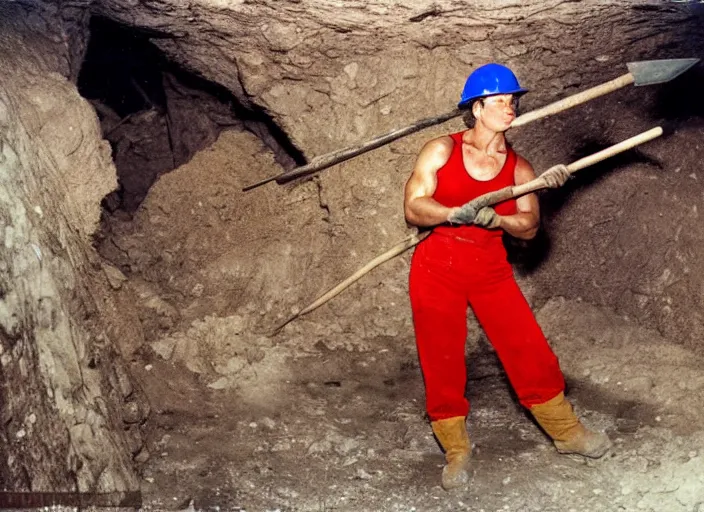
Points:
[(453, 437), (559, 421)]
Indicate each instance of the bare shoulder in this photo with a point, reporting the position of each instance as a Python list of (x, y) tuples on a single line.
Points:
[(524, 171), (437, 150), (432, 158)]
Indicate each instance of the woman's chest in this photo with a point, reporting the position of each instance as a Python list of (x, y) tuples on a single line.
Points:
[(483, 167)]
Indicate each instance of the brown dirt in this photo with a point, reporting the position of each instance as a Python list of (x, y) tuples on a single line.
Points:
[(346, 430), (329, 414)]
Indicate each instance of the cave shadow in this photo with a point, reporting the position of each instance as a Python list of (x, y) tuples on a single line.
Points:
[(680, 100), (527, 256), (121, 68), (485, 375), (588, 397), (592, 397), (484, 368), (125, 74), (124, 68)]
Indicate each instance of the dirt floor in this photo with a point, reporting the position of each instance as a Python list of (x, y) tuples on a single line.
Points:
[(346, 430), (327, 417)]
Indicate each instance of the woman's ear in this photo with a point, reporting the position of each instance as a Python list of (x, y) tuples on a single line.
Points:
[(477, 109)]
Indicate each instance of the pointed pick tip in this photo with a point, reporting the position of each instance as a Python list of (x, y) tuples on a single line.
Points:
[(651, 72)]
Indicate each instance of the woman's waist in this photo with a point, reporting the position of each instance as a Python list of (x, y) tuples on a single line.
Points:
[(450, 253), (470, 234), (464, 245)]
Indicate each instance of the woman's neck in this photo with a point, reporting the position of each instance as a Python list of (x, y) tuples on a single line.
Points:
[(485, 140)]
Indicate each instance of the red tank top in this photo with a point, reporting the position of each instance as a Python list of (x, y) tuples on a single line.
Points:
[(455, 187)]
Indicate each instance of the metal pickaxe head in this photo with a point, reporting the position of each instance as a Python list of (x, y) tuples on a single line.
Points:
[(650, 72)]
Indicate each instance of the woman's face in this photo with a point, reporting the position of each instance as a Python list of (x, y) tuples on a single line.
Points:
[(498, 112)]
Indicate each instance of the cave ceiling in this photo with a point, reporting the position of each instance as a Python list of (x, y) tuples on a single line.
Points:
[(361, 68)]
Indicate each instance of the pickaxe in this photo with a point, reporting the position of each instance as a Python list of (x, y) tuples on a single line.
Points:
[(640, 73), (647, 72), (484, 200)]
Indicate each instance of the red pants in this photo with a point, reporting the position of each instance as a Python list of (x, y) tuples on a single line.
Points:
[(446, 275)]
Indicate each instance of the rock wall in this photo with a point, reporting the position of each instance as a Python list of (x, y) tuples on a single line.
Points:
[(67, 404), (332, 76)]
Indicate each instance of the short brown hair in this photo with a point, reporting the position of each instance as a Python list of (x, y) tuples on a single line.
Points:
[(468, 116)]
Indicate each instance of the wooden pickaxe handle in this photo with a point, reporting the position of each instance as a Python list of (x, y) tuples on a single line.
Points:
[(324, 161), (647, 72), (484, 200), (538, 183), (574, 100)]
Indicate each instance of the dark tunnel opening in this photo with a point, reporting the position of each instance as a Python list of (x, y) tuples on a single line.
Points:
[(122, 69), (156, 114)]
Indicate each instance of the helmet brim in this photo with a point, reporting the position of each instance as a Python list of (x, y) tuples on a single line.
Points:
[(520, 91)]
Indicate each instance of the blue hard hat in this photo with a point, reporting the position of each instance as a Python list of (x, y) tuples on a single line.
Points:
[(487, 80)]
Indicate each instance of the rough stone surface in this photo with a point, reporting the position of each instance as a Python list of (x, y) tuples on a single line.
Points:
[(60, 397), (342, 383)]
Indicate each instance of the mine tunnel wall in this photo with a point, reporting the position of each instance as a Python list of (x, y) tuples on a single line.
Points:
[(66, 401), (157, 114)]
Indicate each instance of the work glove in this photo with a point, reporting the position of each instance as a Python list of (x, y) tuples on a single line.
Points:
[(556, 176), (465, 214), (487, 218)]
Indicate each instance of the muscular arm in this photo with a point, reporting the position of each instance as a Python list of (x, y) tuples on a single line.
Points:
[(418, 204), (525, 223)]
